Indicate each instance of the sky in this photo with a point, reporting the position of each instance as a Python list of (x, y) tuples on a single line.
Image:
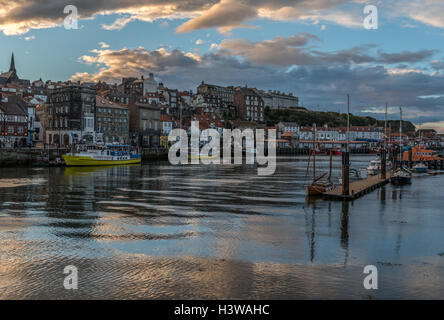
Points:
[(319, 50)]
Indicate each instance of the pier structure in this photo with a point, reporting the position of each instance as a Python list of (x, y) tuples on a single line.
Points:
[(351, 191), (357, 189)]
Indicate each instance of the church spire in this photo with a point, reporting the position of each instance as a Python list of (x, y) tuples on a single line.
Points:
[(12, 67)]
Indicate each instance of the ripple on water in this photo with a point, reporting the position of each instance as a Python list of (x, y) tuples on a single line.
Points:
[(20, 182)]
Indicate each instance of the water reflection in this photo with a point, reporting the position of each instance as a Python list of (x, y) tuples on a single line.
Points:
[(157, 231), (344, 228)]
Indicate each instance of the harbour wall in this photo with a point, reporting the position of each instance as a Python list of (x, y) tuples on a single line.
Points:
[(41, 157)]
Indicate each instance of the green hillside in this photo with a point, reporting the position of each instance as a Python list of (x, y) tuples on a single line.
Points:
[(306, 117)]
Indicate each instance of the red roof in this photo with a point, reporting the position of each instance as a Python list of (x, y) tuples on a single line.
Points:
[(287, 135), (165, 118)]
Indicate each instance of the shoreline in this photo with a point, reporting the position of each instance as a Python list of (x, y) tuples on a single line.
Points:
[(32, 157)]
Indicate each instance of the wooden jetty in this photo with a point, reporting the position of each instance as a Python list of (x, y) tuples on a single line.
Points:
[(357, 189)]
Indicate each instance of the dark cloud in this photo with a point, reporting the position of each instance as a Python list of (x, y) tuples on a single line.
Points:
[(19, 16), (371, 86), (292, 51)]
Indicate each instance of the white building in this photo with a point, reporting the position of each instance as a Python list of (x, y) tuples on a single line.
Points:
[(150, 85), (366, 133), (166, 124)]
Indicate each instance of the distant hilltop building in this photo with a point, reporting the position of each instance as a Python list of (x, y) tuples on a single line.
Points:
[(11, 76), (219, 96)]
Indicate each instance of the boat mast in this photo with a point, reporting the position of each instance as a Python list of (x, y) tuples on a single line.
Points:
[(314, 152), (348, 122), (385, 127), (331, 164), (400, 136)]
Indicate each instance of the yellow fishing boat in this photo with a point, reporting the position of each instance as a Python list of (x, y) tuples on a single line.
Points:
[(110, 155)]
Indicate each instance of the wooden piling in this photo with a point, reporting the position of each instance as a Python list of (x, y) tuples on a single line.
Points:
[(383, 164), (345, 173)]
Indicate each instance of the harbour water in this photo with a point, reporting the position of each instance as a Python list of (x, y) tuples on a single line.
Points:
[(213, 232)]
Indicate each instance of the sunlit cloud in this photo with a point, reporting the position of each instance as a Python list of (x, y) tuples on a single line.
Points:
[(19, 17)]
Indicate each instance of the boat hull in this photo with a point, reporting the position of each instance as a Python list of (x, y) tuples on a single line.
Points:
[(401, 180), (420, 170), (317, 189), (83, 161)]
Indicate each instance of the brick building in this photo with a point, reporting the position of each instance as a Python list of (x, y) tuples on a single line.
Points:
[(145, 129), (223, 95), (249, 105), (112, 121), (71, 113)]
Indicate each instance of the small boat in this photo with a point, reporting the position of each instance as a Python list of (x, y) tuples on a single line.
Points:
[(109, 155), (374, 168), (401, 177), (420, 168), (319, 186)]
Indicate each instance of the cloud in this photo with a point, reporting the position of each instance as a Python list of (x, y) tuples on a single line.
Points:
[(437, 125), (289, 51), (429, 12), (226, 15), (115, 64), (371, 83), (20, 16), (103, 45)]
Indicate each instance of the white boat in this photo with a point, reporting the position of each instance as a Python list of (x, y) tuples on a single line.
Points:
[(374, 168), (420, 168)]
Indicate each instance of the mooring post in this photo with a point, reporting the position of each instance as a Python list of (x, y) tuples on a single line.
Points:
[(345, 173), (410, 158), (383, 164), (392, 154), (441, 164)]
